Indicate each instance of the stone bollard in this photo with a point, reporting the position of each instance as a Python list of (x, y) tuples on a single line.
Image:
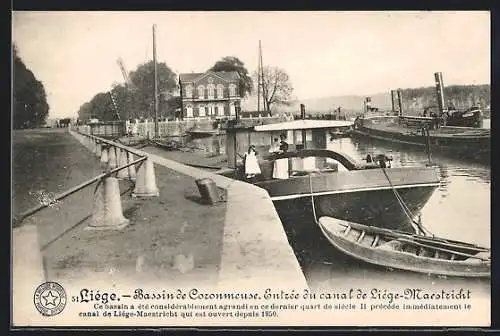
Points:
[(107, 213), (111, 157), (98, 149), (123, 174), (131, 169), (88, 143), (93, 145), (104, 154), (145, 184)]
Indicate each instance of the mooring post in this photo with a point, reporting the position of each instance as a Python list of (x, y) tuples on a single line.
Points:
[(145, 185), (104, 153), (112, 157), (123, 174), (107, 213)]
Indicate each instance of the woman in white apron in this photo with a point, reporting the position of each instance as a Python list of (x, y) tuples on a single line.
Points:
[(280, 169), (252, 167)]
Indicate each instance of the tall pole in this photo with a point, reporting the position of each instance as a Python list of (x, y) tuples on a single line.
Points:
[(258, 82), (264, 93), (156, 82)]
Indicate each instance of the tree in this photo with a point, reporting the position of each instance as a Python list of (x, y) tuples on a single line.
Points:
[(135, 101), (30, 107), (102, 107), (231, 63), (143, 82), (85, 112), (277, 88), (171, 106)]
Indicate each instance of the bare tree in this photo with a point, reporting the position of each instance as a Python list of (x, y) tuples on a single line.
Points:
[(276, 87)]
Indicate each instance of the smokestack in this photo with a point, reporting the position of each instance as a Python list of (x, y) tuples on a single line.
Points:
[(438, 76), (393, 100), (400, 102), (302, 111)]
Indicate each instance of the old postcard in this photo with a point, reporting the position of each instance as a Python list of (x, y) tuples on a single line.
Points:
[(251, 169)]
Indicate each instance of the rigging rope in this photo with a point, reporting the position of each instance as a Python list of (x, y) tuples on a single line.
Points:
[(401, 202), (405, 208), (312, 200)]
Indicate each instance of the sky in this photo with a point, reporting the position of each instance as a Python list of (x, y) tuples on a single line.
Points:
[(326, 53)]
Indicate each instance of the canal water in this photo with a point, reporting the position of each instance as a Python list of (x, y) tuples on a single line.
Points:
[(459, 209)]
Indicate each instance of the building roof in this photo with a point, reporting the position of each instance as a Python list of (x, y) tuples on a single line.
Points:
[(194, 76), (303, 124)]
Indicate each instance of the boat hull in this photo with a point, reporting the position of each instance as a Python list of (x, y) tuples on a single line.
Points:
[(387, 255), (362, 196), (373, 207), (466, 119), (464, 140)]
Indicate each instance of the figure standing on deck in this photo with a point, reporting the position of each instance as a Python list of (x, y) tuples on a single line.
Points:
[(280, 169), (252, 167)]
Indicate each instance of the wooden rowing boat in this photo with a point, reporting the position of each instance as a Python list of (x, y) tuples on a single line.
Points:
[(405, 251)]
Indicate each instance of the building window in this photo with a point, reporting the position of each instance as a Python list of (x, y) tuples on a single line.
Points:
[(201, 92), (189, 111), (211, 91), (232, 109), (220, 91), (210, 110), (232, 90), (203, 112), (189, 91), (220, 109)]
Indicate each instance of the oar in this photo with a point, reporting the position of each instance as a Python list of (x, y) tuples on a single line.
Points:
[(435, 241), (442, 249)]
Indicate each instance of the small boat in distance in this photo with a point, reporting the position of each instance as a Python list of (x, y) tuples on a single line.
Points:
[(400, 250)]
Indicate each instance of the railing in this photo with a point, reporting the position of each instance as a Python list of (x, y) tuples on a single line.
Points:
[(18, 219)]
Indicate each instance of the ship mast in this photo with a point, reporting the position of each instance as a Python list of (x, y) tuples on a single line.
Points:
[(260, 82), (264, 89), (155, 82)]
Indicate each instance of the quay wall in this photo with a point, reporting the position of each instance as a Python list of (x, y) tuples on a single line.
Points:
[(256, 252)]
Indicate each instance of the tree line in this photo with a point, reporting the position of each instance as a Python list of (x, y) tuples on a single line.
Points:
[(135, 99), (455, 96), (29, 106)]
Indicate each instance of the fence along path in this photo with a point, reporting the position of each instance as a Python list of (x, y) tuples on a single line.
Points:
[(28, 268)]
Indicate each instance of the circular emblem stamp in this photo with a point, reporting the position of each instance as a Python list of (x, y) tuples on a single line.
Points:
[(50, 298)]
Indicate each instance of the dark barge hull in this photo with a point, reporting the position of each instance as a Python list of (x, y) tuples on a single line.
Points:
[(361, 196), (377, 208), (478, 146)]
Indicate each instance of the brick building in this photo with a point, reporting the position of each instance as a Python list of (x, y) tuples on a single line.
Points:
[(209, 95)]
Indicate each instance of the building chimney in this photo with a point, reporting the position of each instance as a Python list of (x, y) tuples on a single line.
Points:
[(438, 76), (302, 111), (393, 101), (400, 102)]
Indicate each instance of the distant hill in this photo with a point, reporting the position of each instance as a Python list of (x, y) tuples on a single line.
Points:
[(414, 100)]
